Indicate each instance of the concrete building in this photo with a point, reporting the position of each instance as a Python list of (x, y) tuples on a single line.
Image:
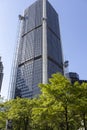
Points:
[(73, 76), (39, 51)]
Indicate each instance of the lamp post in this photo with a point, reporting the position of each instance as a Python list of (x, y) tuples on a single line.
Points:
[(8, 124)]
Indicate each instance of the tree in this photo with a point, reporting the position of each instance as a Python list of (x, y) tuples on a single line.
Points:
[(80, 103), (19, 111), (60, 106), (54, 111), (2, 114)]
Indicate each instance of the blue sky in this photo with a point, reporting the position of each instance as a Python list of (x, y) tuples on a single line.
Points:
[(73, 27)]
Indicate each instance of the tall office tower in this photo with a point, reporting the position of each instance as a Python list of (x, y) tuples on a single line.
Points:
[(1, 73), (39, 53)]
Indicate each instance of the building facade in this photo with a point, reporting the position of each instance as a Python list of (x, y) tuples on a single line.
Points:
[(73, 77), (1, 73), (28, 71)]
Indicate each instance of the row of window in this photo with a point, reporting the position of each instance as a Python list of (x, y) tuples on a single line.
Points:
[(29, 81), (53, 68), (31, 44), (54, 47), (33, 16), (52, 19)]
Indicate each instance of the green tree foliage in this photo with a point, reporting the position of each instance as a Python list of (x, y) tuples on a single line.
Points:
[(54, 111), (19, 111), (60, 106), (2, 117), (80, 103)]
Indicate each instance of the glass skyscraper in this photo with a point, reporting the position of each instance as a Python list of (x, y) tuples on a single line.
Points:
[(1, 73), (28, 70)]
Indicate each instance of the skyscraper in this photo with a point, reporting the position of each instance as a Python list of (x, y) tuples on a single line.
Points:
[(1, 73), (39, 51)]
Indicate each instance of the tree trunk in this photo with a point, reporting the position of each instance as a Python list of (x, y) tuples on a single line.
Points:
[(26, 123), (84, 121), (19, 127), (66, 116)]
